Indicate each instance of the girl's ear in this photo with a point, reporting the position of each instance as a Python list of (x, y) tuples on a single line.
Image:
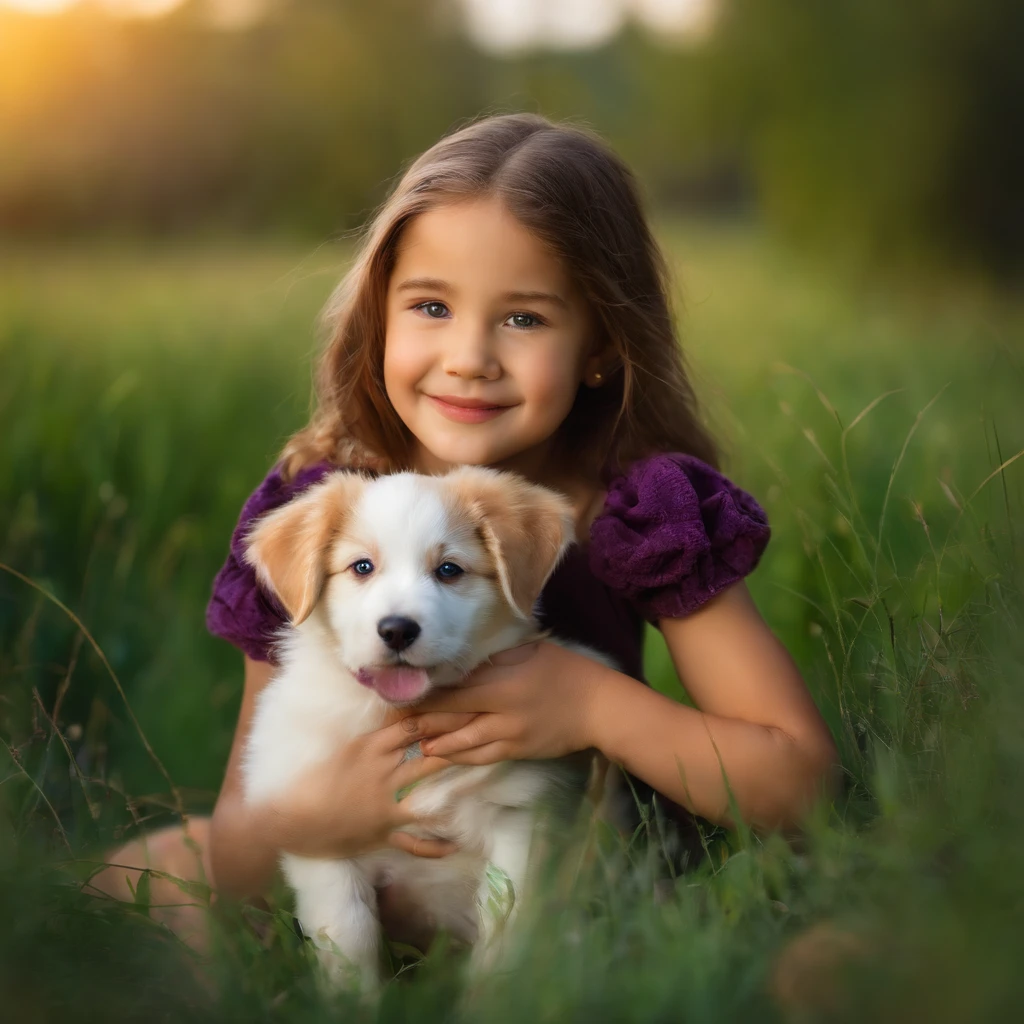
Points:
[(288, 547), (525, 528), (599, 366)]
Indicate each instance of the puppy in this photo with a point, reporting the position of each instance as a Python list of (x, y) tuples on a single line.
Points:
[(396, 586)]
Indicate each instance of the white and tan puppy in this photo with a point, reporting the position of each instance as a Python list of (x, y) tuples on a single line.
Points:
[(396, 586)]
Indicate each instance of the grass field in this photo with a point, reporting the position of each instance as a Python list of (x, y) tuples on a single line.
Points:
[(145, 391)]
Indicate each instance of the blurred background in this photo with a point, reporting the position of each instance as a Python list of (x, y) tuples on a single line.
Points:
[(838, 189), (886, 130)]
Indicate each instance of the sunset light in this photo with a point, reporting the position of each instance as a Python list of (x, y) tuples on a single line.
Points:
[(497, 24), (142, 8), (38, 6)]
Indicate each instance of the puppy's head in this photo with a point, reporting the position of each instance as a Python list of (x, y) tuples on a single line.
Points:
[(417, 579)]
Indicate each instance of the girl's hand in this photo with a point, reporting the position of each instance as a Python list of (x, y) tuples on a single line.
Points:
[(347, 806), (531, 702)]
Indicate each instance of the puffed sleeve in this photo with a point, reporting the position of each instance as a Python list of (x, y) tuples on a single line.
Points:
[(240, 610), (674, 532)]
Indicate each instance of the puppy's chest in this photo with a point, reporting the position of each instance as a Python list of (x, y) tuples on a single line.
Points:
[(441, 793), (465, 804)]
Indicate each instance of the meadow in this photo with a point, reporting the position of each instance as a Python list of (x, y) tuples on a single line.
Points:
[(145, 390)]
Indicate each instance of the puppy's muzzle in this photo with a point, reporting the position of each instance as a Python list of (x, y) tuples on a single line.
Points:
[(397, 632)]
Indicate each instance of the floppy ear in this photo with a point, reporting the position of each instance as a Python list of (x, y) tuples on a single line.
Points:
[(288, 547), (526, 528)]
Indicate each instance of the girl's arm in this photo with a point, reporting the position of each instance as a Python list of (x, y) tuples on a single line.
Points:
[(771, 742), (342, 808), (756, 721), (243, 845)]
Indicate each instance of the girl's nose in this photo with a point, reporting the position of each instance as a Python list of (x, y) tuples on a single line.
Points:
[(471, 354)]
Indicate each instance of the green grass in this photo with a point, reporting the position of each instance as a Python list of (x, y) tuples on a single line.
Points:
[(143, 394)]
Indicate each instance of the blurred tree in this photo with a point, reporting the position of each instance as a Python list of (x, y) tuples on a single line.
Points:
[(892, 129), (300, 118)]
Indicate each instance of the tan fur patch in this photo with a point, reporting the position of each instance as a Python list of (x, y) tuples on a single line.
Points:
[(525, 528), (288, 547)]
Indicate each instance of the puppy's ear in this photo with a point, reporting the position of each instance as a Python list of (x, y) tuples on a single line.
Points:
[(526, 529), (288, 547)]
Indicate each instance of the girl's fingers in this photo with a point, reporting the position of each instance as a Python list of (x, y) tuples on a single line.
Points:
[(399, 734), (481, 730), (421, 847), (436, 723), (488, 753), (417, 768), (408, 730)]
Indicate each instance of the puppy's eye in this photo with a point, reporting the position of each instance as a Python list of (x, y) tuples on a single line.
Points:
[(363, 567), (448, 571)]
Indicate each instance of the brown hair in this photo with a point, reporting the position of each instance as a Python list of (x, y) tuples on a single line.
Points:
[(565, 185)]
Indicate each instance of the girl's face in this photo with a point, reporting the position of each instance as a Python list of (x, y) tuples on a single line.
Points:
[(487, 339)]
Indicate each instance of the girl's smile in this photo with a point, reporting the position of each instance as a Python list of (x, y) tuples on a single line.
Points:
[(487, 338), (467, 410)]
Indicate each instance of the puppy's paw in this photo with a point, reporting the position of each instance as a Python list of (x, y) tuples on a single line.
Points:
[(341, 973)]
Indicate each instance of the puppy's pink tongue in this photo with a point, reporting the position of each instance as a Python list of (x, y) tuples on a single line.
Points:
[(398, 684)]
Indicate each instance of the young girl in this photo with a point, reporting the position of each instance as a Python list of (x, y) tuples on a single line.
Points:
[(509, 308)]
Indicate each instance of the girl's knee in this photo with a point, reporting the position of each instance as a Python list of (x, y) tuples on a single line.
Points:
[(175, 850)]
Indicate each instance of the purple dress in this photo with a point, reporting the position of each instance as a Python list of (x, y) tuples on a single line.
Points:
[(673, 533)]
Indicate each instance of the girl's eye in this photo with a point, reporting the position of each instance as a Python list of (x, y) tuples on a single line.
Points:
[(435, 310), (363, 567), (525, 320), (448, 571)]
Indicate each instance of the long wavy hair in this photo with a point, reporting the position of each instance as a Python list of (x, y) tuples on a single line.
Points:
[(566, 186)]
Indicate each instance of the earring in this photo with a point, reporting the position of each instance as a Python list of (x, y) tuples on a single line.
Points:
[(597, 378)]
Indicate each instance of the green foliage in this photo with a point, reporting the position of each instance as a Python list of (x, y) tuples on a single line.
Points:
[(882, 128), (145, 393)]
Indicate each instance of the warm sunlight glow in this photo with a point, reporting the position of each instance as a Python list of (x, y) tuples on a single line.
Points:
[(140, 8), (37, 6), (498, 25), (510, 25)]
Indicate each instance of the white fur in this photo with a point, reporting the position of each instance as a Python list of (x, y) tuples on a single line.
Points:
[(314, 704)]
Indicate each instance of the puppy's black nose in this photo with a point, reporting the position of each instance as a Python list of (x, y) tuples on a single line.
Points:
[(398, 632)]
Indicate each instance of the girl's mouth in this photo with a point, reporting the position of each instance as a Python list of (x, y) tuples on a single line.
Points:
[(466, 410)]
